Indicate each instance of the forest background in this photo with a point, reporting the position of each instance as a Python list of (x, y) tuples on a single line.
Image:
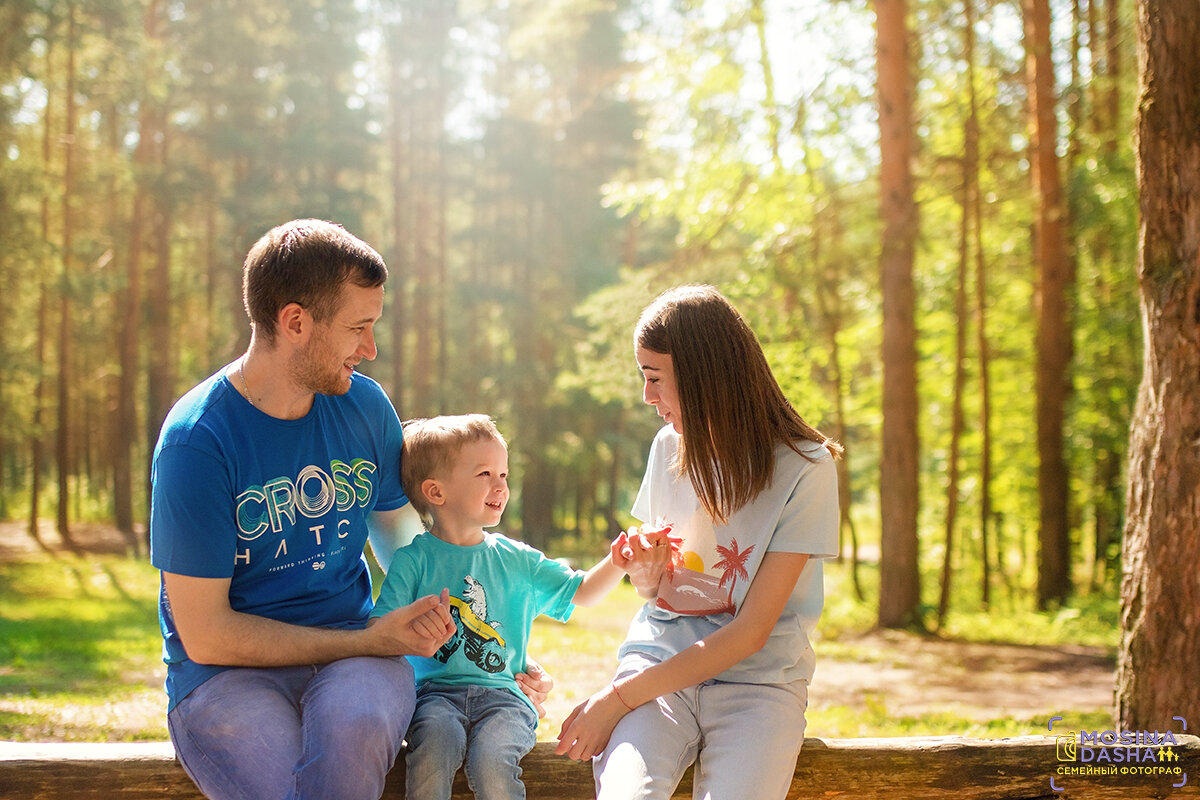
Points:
[(534, 172)]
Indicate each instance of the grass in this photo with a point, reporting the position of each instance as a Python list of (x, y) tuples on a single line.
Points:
[(79, 650), (873, 719), (80, 654)]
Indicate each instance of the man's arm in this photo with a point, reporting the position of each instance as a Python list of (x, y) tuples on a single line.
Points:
[(390, 530), (213, 633)]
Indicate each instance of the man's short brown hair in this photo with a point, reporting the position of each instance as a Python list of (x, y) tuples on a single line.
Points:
[(305, 261)]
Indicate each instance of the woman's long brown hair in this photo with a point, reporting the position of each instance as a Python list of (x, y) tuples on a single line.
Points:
[(732, 411)]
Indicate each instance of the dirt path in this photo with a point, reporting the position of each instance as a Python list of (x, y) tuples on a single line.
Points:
[(15, 541), (916, 675)]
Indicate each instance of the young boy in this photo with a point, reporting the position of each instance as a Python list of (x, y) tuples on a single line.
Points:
[(454, 471)]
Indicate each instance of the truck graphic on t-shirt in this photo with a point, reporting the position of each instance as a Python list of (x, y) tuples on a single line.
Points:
[(480, 641)]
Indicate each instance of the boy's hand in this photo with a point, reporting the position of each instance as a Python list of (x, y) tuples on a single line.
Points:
[(645, 553)]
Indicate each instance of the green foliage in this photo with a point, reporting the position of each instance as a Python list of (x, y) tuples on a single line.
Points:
[(535, 174)]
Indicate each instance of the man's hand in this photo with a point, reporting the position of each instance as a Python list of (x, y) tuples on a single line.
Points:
[(536, 683), (417, 629)]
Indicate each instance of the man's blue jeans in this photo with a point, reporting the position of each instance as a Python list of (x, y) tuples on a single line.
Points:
[(295, 733), (489, 729)]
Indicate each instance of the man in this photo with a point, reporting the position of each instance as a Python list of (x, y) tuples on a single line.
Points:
[(267, 479)]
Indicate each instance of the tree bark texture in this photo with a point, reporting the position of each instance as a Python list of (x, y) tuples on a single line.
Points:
[(899, 592), (37, 440), (982, 345), (1160, 591), (62, 436), (913, 768), (1055, 277)]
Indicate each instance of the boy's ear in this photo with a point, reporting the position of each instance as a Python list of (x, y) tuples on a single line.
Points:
[(433, 492)]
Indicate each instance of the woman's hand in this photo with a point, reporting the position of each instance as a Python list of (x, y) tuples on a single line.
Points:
[(536, 683), (586, 732), (644, 553)]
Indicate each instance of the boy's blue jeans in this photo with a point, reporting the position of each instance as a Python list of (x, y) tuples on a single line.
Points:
[(311, 733), (489, 729)]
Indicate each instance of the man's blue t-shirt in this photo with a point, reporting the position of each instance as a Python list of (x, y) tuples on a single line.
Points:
[(497, 589), (278, 506)]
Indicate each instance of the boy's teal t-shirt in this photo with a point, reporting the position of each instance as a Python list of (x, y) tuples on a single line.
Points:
[(497, 588)]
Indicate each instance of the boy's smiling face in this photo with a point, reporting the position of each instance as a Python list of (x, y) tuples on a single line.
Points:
[(474, 493)]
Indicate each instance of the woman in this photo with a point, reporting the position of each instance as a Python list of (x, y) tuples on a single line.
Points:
[(715, 669)]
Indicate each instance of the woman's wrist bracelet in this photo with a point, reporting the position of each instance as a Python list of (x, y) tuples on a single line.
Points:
[(617, 692)]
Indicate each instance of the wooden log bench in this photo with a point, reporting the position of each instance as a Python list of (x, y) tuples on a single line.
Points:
[(917, 768)]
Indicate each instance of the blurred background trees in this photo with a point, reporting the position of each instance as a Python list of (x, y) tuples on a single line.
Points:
[(534, 172)]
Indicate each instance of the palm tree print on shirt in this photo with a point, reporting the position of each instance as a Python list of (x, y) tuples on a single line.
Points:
[(732, 566)]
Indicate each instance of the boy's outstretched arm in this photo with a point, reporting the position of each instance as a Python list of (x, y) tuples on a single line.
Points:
[(643, 555), (598, 582)]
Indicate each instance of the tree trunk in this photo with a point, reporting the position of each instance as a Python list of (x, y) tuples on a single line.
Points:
[(532, 347), (1053, 338), (1160, 593), (37, 440), (899, 590), (614, 474), (439, 196), (160, 386), (957, 422), (129, 310), (399, 144), (982, 346), (62, 440), (758, 16), (1112, 76), (430, 28)]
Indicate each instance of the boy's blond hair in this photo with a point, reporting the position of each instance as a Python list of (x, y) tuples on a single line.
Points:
[(430, 447)]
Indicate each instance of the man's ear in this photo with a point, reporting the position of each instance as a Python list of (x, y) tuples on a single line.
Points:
[(294, 323), (432, 489)]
